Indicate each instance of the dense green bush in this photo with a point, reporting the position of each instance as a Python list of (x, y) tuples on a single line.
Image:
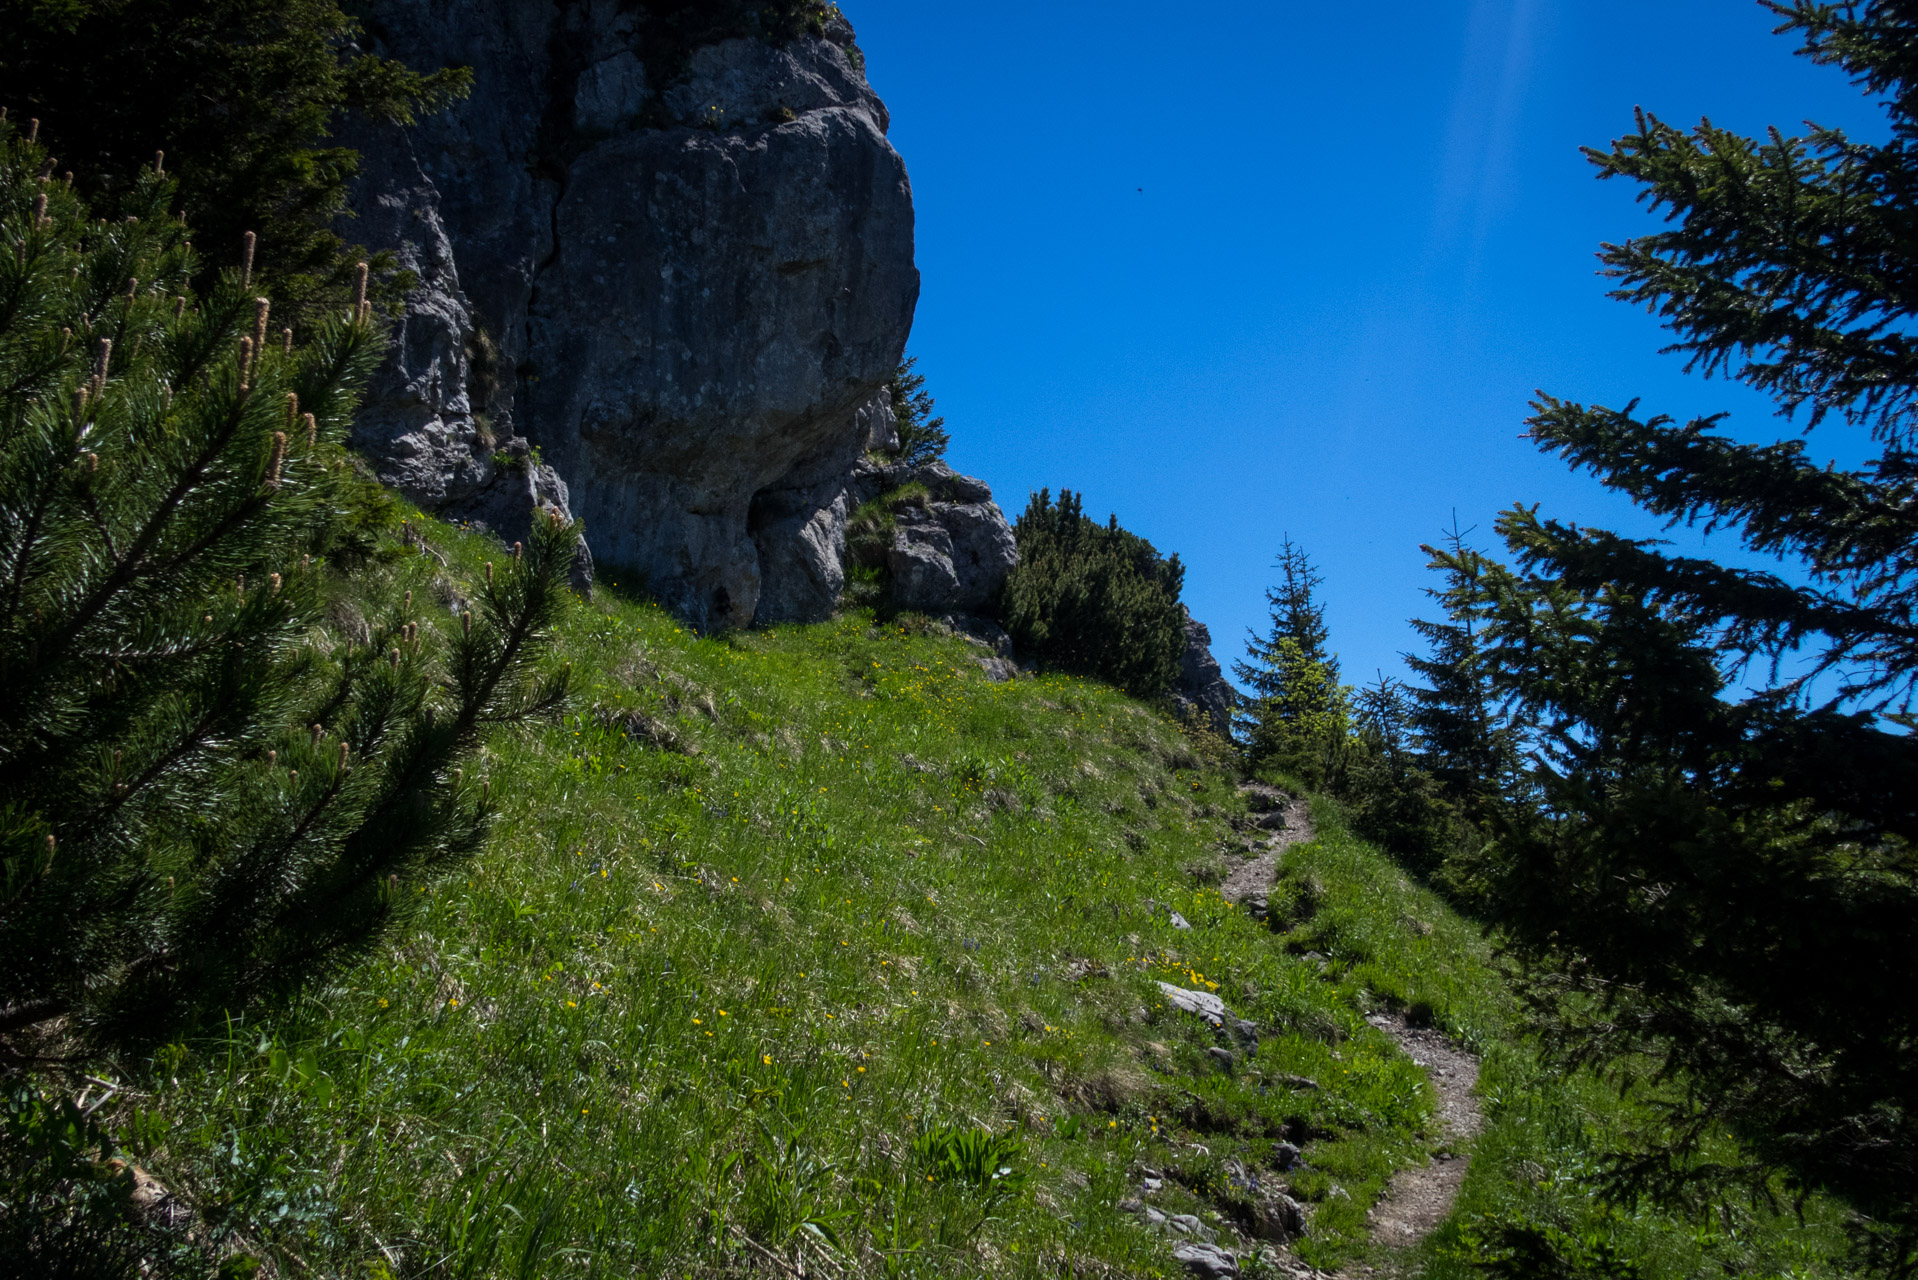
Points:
[(1095, 599), (241, 95)]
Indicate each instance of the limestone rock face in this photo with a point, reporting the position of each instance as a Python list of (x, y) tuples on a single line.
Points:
[(954, 554), (688, 296), (421, 422), (1202, 687)]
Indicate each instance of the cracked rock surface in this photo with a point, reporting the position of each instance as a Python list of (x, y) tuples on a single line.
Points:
[(687, 296)]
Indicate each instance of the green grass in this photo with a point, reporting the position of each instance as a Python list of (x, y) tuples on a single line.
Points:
[(1535, 1164), (783, 937)]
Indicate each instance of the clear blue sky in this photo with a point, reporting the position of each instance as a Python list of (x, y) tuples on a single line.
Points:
[(1365, 237)]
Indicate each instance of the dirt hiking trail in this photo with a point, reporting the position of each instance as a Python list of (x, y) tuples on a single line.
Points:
[(1418, 1199)]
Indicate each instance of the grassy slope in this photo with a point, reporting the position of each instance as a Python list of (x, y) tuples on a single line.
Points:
[(690, 1001)]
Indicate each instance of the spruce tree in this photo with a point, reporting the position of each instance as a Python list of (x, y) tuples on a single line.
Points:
[(1298, 716), (1381, 777), (922, 434), (206, 797), (1467, 740), (1720, 873)]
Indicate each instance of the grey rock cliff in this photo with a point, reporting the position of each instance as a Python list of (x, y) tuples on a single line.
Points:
[(688, 297), (423, 422), (1202, 688)]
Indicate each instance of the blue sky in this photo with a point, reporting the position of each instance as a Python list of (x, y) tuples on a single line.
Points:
[(1250, 269)]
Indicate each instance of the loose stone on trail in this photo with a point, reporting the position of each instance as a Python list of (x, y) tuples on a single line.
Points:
[(1206, 1260)]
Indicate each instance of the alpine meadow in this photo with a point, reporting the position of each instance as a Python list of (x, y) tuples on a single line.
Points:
[(521, 755)]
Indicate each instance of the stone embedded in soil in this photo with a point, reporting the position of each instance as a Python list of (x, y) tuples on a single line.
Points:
[(999, 670), (1209, 1007), (1206, 1260), (1187, 1225), (1279, 1219)]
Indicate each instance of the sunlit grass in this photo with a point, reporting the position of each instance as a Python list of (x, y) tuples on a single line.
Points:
[(697, 1007)]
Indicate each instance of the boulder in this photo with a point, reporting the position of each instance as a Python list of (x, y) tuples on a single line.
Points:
[(953, 554), (983, 632), (921, 563), (1207, 1261), (1278, 1218), (1205, 1005)]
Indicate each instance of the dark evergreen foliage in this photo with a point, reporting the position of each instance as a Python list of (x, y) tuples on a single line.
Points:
[(1382, 779), (240, 94), (206, 798), (1094, 598), (1720, 873), (1467, 739), (1297, 716), (922, 434)]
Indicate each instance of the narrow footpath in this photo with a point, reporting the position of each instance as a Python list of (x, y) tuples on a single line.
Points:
[(1418, 1199)]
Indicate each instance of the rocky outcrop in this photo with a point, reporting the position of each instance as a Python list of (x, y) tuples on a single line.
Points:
[(1202, 688), (950, 553), (688, 297)]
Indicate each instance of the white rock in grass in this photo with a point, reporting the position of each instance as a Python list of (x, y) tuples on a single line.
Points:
[(1206, 1260), (1208, 1006)]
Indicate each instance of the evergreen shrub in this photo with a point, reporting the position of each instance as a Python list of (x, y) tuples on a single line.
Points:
[(1095, 599), (241, 95), (207, 795)]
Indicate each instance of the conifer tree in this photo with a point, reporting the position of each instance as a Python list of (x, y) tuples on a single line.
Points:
[(1298, 716), (922, 434), (1467, 741), (1095, 599), (1381, 778), (1720, 873), (243, 95), (205, 798)]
